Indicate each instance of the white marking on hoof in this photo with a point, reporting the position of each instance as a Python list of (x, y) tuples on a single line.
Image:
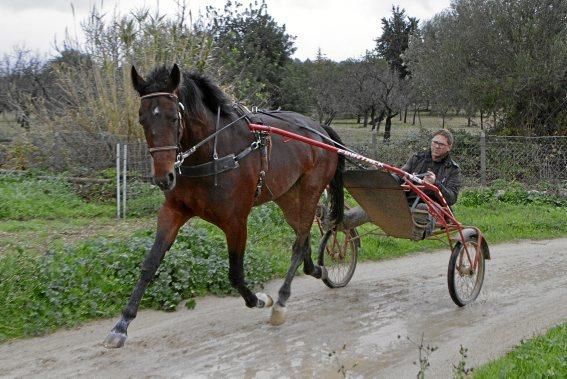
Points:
[(114, 340), (278, 315), (266, 299)]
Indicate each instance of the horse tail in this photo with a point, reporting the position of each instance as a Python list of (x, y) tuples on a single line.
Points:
[(336, 186)]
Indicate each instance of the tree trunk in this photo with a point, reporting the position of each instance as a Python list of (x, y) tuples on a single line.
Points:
[(365, 119), (330, 119), (406, 114), (388, 127), (379, 121), (414, 114), (481, 120), (372, 117), (358, 118)]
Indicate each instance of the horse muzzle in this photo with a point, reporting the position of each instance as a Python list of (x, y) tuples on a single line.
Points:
[(165, 183)]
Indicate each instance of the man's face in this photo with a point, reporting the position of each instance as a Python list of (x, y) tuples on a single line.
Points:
[(439, 147)]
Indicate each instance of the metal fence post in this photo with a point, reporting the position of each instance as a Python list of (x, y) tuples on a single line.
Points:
[(482, 158), (118, 181)]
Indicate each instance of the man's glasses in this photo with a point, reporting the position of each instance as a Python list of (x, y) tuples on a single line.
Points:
[(438, 143)]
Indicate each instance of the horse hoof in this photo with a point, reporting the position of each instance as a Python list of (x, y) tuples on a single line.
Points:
[(278, 315), (114, 340), (264, 300), (324, 273)]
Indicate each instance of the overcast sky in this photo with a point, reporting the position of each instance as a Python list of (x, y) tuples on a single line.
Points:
[(341, 28)]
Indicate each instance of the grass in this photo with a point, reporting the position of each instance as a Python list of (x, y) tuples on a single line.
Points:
[(541, 357), (498, 222), (47, 199), (64, 261)]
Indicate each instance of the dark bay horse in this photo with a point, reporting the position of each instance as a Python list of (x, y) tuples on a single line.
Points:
[(180, 113)]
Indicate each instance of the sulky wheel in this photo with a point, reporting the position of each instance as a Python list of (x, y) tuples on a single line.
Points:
[(465, 276), (338, 251)]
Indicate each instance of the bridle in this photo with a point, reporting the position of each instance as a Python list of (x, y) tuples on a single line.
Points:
[(182, 155), (181, 108), (218, 164)]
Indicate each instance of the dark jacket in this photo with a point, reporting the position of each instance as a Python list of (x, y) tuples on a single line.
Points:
[(447, 172)]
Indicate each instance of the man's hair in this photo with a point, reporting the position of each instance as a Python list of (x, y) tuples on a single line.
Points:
[(445, 133)]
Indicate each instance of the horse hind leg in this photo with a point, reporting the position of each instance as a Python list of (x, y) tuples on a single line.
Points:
[(299, 208), (310, 268), (300, 249)]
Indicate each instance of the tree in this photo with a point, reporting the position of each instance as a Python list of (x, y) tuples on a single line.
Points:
[(394, 40), (498, 57), (295, 90), (252, 50), (21, 83), (325, 81)]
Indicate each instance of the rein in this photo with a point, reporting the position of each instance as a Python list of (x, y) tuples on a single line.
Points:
[(182, 156)]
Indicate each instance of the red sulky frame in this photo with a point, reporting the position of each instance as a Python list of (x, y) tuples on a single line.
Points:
[(439, 210)]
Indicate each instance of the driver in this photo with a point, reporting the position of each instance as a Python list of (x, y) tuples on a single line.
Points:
[(439, 169), (438, 166)]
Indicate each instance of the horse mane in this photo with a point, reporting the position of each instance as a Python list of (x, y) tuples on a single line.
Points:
[(197, 88), (197, 92)]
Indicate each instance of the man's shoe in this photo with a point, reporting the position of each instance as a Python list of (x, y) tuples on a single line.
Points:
[(421, 214)]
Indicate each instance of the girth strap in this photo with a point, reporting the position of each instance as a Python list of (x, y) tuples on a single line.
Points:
[(213, 167)]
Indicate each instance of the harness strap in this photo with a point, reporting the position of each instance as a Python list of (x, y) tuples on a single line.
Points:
[(217, 166), (213, 167), (265, 149), (215, 140)]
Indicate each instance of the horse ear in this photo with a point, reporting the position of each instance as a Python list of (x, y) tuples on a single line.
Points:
[(137, 81), (174, 77)]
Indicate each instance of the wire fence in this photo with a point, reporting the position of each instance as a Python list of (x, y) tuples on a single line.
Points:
[(533, 161), (484, 159)]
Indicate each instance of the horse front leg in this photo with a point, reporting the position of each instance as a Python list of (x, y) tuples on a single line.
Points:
[(169, 222), (236, 235)]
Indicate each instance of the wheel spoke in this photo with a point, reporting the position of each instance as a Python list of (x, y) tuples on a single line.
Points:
[(467, 273), (340, 262)]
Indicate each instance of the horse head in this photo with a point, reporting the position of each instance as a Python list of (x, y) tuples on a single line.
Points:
[(161, 116)]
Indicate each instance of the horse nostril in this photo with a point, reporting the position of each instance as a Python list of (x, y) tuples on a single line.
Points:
[(171, 177)]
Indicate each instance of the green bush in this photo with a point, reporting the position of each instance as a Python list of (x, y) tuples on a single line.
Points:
[(508, 193), (95, 279)]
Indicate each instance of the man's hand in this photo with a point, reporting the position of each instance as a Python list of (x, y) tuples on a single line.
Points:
[(430, 177)]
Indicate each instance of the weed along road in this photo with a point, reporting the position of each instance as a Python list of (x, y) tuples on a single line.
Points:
[(371, 328)]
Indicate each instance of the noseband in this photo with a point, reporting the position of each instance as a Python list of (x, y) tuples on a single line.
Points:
[(180, 105)]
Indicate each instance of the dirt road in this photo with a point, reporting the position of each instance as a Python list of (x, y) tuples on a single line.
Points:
[(524, 293)]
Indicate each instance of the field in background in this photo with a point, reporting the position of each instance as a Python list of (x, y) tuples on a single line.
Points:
[(349, 130), (353, 133)]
